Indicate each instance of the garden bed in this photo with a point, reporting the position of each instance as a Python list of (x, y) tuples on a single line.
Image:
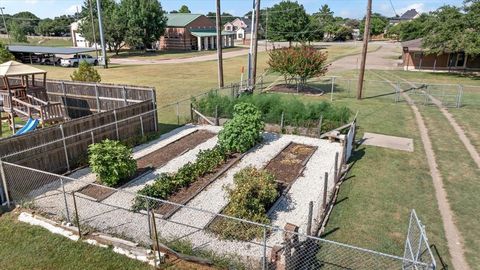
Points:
[(186, 194), (163, 155), (286, 167), (99, 192), (292, 89)]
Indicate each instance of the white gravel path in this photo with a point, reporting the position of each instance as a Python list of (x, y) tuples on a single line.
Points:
[(113, 215)]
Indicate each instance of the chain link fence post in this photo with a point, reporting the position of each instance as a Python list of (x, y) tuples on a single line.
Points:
[(264, 256), (67, 212)]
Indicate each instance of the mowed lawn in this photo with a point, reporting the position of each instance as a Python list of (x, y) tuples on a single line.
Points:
[(23, 246), (459, 172)]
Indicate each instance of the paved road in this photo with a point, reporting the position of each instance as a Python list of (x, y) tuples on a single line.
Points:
[(383, 58)]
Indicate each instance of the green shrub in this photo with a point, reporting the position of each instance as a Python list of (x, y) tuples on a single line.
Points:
[(254, 192), (243, 131), (271, 106), (167, 184), (111, 161), (85, 73)]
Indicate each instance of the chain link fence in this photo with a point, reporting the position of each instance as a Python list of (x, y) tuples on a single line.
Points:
[(191, 233)]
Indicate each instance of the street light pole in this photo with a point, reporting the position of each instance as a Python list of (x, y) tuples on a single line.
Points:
[(5, 24), (102, 39)]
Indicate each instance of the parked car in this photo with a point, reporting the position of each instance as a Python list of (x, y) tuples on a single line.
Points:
[(50, 60), (77, 58)]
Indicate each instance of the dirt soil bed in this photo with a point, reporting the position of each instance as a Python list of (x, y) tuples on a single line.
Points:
[(99, 192), (292, 89), (184, 195), (163, 155), (288, 164)]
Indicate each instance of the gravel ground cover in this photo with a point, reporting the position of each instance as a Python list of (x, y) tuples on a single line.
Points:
[(113, 215)]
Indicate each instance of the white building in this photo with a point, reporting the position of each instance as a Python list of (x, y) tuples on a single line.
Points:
[(77, 39), (242, 27)]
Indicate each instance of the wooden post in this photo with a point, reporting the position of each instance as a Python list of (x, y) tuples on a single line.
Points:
[(320, 126), (76, 215), (178, 114), (217, 121), (366, 37), (97, 97), (93, 137), (141, 126), (124, 93), (65, 106), (116, 124), (282, 121), (155, 235), (154, 102), (325, 186), (191, 112), (65, 147), (310, 217), (335, 170), (219, 45)]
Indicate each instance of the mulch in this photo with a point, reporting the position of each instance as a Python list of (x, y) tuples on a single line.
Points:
[(186, 194), (155, 159), (292, 89)]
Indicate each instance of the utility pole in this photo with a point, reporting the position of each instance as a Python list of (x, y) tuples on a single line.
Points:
[(93, 27), (266, 31), (366, 36), (255, 48), (5, 24), (250, 52), (102, 39), (219, 46)]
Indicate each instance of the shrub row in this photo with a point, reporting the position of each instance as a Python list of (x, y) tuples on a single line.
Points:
[(167, 184), (296, 112), (254, 192)]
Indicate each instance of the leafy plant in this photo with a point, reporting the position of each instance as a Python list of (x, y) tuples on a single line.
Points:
[(111, 161), (243, 131), (167, 184), (5, 54), (85, 73), (254, 192)]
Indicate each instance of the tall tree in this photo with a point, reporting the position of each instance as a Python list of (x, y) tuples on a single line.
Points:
[(288, 21), (114, 24), (184, 9), (17, 32), (378, 24), (146, 22), (5, 54), (26, 20), (472, 38), (446, 30)]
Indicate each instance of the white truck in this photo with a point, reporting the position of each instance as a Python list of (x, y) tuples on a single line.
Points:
[(75, 60)]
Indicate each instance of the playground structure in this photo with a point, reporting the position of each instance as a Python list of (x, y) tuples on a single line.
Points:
[(21, 95)]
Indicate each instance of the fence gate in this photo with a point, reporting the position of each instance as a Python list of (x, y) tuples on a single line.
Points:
[(417, 250)]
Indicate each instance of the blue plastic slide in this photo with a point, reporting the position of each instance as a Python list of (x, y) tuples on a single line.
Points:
[(29, 126)]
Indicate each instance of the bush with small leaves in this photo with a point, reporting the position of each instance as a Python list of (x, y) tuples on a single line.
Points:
[(85, 73), (111, 161), (243, 131)]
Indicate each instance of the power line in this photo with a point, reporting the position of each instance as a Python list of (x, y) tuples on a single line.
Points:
[(394, 11)]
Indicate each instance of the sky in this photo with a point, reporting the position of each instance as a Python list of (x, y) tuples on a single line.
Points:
[(344, 8)]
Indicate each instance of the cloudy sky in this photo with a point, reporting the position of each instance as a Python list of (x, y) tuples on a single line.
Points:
[(344, 8)]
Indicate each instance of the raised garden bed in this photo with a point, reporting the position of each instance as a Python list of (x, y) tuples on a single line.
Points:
[(184, 195), (286, 166), (163, 155), (292, 89), (100, 192)]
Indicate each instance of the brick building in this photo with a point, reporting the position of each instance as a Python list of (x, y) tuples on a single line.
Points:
[(415, 57), (187, 32)]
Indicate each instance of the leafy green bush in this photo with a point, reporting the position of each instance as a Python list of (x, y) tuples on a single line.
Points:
[(167, 184), (254, 192), (111, 161), (85, 73), (243, 131), (271, 106)]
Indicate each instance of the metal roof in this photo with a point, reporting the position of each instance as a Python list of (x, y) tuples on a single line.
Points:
[(181, 19), (49, 50), (210, 33)]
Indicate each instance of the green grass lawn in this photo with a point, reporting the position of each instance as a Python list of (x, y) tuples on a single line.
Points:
[(23, 246), (160, 55), (39, 41)]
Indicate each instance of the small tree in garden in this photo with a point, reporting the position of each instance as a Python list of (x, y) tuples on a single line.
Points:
[(111, 161), (298, 63), (243, 131), (5, 54), (85, 73)]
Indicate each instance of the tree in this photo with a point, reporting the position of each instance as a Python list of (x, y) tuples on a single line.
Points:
[(225, 17), (409, 30), (446, 30), (5, 55), (472, 38), (27, 21), (85, 73), (288, 21), (184, 9), (378, 24), (17, 32), (114, 24), (146, 22), (298, 63)]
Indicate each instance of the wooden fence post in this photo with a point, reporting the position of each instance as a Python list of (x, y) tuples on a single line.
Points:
[(141, 126), (124, 93), (154, 103), (116, 124), (335, 169), (217, 121), (93, 137), (97, 98), (325, 186), (65, 147), (178, 113), (320, 126), (191, 112), (65, 106)]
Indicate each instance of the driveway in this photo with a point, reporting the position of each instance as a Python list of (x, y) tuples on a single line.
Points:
[(382, 58)]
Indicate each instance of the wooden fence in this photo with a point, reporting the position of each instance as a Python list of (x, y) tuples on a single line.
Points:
[(62, 148)]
